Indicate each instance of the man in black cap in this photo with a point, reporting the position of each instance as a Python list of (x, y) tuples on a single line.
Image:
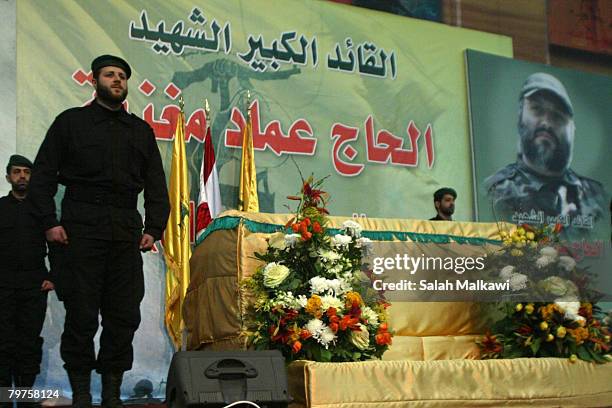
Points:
[(105, 157), (541, 187), (24, 281), (444, 201)]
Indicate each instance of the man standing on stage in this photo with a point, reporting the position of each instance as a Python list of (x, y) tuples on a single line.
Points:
[(444, 201), (105, 157), (24, 281)]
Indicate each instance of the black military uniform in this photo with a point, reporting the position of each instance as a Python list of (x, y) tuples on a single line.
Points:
[(22, 301), (105, 159)]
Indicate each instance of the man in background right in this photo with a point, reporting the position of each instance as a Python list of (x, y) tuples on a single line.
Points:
[(540, 187)]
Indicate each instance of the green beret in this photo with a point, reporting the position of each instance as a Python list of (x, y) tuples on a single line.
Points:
[(541, 81), (18, 160), (111, 61)]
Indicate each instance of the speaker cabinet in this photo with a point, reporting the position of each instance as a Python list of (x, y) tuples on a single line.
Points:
[(216, 379)]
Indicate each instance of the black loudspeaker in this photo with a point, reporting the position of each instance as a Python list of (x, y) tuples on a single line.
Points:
[(216, 379)]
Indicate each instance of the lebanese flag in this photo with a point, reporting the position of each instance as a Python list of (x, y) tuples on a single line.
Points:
[(209, 202)]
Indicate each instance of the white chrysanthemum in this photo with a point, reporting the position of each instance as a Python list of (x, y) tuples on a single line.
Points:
[(320, 285), (302, 301), (567, 262), (570, 305), (274, 274), (340, 240), (544, 261), (549, 252), (315, 326), (352, 228), (370, 316), (361, 338), (506, 272), (518, 281), (287, 300), (326, 336), (292, 239), (366, 245), (328, 255), (328, 301)]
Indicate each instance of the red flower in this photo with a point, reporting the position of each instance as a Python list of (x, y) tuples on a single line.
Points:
[(383, 339), (297, 346), (306, 235), (349, 322), (524, 330), (558, 228), (295, 227), (316, 227)]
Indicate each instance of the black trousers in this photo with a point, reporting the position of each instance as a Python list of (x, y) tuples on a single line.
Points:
[(100, 278), (22, 314)]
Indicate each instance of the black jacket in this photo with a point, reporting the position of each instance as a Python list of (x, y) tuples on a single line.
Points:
[(22, 245), (105, 159)]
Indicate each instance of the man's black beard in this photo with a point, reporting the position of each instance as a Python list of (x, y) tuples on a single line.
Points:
[(109, 98), (447, 211), (19, 187), (541, 155)]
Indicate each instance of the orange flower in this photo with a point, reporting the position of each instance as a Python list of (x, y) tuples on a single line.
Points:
[(316, 227), (306, 235), (306, 221), (305, 334), (580, 334), (334, 327), (349, 322), (303, 228), (297, 346), (295, 227), (558, 228), (383, 339)]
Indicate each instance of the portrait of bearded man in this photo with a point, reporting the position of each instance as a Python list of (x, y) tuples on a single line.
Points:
[(541, 181)]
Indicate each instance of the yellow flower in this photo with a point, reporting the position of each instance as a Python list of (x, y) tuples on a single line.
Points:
[(518, 307), (507, 243), (530, 236), (313, 306), (548, 310), (352, 298), (520, 231), (503, 234), (607, 339), (516, 252), (561, 332), (573, 358), (533, 245), (550, 337), (520, 244), (529, 308), (543, 326)]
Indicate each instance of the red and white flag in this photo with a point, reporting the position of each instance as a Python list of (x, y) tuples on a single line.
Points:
[(209, 202)]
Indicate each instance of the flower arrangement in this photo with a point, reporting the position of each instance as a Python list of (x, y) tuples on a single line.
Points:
[(309, 301), (553, 323)]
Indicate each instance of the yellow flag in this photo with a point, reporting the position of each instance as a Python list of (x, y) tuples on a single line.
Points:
[(176, 236), (247, 196)]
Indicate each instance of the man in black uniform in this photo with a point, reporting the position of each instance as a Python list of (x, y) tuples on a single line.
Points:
[(24, 281), (444, 201), (105, 157)]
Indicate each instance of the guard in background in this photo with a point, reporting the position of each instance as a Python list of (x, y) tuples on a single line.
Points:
[(24, 281), (444, 202), (105, 157)]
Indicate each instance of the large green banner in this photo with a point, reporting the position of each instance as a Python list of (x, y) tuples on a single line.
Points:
[(374, 100)]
